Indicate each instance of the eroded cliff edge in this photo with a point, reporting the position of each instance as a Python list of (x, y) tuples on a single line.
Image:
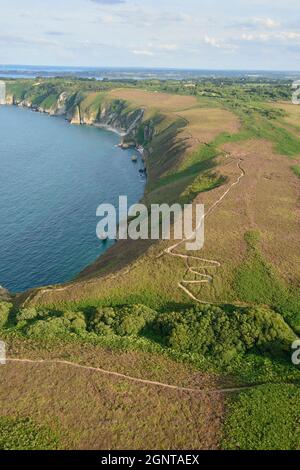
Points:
[(95, 109)]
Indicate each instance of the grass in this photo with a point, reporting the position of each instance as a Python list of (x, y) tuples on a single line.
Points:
[(24, 434), (200, 161), (266, 418), (257, 283), (204, 182), (95, 411), (178, 173), (262, 418), (296, 170), (256, 126), (111, 408)]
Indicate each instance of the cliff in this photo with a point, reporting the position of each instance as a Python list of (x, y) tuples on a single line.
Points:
[(93, 109)]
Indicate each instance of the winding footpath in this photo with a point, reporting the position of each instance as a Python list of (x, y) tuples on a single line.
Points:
[(130, 378), (183, 284), (205, 264)]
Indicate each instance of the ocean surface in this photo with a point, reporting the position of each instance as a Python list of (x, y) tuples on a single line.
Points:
[(53, 176), (136, 73)]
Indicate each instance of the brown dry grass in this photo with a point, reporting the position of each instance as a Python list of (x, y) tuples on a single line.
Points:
[(290, 122), (143, 365), (164, 102), (205, 124), (267, 201), (148, 278), (292, 110), (93, 411)]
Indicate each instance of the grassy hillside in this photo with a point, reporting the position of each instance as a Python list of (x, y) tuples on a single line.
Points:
[(177, 369), (234, 146), (193, 146)]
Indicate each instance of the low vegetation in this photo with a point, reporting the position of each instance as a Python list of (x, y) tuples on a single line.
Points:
[(246, 335), (220, 335), (296, 170), (23, 433), (256, 282), (265, 418), (251, 345)]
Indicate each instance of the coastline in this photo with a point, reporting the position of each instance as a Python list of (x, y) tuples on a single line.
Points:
[(121, 133), (4, 292)]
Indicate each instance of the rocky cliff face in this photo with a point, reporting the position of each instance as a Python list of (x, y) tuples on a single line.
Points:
[(10, 100), (112, 114), (60, 107)]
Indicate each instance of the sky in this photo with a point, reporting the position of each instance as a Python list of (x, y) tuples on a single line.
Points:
[(198, 34)]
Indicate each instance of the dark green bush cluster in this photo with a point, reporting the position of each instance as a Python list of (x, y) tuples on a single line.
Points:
[(49, 325), (103, 321), (126, 321), (207, 330), (211, 331)]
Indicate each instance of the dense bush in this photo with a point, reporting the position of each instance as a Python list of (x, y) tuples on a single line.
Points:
[(102, 321), (207, 330), (53, 325), (126, 321), (5, 309), (50, 328), (77, 321), (211, 331), (24, 315)]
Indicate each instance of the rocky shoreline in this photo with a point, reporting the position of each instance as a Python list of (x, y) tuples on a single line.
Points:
[(126, 125), (111, 121)]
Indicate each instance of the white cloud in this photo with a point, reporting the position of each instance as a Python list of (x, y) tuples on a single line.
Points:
[(275, 37), (211, 41), (167, 47), (144, 52), (268, 23), (108, 2)]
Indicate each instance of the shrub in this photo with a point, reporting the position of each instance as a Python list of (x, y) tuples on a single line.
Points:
[(5, 309), (133, 319), (210, 331), (26, 314), (126, 321), (102, 321), (50, 328), (77, 321)]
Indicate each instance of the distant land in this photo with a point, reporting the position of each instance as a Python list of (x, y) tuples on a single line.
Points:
[(135, 73)]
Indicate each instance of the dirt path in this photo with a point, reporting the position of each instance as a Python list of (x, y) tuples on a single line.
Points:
[(129, 378), (205, 278)]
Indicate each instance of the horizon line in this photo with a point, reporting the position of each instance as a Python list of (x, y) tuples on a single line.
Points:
[(144, 67)]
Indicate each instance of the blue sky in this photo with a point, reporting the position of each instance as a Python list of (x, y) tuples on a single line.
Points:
[(214, 34)]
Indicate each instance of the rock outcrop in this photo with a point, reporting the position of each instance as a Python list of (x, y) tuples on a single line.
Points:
[(112, 114)]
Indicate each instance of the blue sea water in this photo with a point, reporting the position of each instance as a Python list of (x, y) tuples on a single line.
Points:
[(53, 176)]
